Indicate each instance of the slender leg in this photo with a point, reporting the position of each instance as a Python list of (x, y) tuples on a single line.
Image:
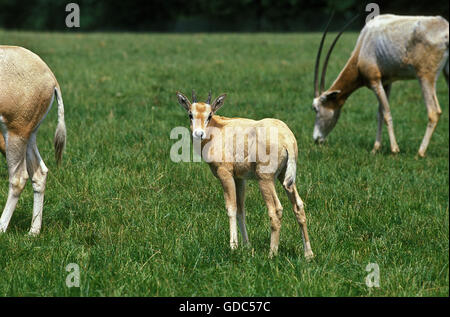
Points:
[(240, 197), (299, 211), (15, 158), (229, 191), (433, 109), (383, 100), (38, 172), (377, 145), (275, 210)]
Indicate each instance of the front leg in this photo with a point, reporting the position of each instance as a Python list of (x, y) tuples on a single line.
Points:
[(229, 192), (377, 145), (377, 87)]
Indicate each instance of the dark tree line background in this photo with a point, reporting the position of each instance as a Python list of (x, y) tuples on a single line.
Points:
[(202, 15)]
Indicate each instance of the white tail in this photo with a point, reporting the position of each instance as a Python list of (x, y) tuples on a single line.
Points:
[(291, 169)]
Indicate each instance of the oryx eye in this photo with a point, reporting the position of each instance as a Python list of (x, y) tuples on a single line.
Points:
[(190, 116), (209, 117)]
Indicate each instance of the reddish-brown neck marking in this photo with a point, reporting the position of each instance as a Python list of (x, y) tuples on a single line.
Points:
[(348, 81)]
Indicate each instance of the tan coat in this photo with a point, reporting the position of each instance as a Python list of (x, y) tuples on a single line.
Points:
[(27, 90)]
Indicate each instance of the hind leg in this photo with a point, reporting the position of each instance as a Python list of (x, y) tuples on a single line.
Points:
[(299, 211), (38, 173), (15, 158), (433, 109), (240, 200)]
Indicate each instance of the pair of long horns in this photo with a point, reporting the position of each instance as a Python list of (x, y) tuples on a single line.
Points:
[(194, 97), (317, 92)]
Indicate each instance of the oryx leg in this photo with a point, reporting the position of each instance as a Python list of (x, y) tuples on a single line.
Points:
[(229, 192), (37, 171), (275, 210), (299, 211), (240, 198), (377, 145), (433, 109), (377, 87), (15, 157)]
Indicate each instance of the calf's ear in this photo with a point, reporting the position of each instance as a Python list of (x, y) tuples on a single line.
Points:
[(183, 101), (218, 102)]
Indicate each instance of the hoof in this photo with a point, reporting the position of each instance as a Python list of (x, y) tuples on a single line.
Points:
[(33, 233), (376, 147), (309, 255), (420, 154)]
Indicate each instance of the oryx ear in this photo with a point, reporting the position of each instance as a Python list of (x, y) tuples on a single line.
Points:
[(184, 101), (218, 102), (329, 95)]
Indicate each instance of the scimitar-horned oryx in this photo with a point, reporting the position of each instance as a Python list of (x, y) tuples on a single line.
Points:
[(389, 48)]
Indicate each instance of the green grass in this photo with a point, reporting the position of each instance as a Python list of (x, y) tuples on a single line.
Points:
[(140, 225)]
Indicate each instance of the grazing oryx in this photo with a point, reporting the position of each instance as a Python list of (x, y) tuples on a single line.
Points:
[(27, 90), (238, 149), (389, 48)]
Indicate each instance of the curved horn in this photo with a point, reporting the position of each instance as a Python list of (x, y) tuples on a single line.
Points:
[(194, 97), (316, 68), (325, 63), (209, 98)]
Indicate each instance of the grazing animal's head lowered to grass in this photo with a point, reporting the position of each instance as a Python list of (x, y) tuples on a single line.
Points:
[(327, 114), (327, 103), (389, 48), (200, 113)]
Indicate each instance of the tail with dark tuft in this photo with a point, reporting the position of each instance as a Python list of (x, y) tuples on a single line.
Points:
[(60, 133)]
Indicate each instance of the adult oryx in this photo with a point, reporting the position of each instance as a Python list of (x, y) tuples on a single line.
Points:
[(27, 90), (389, 48)]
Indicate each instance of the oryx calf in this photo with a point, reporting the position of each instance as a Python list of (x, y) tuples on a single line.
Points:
[(27, 90), (389, 48), (256, 156)]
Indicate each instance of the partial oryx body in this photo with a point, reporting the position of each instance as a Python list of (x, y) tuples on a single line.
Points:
[(389, 48), (27, 90), (219, 138)]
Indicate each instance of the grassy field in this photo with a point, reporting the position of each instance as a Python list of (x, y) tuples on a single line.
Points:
[(139, 224)]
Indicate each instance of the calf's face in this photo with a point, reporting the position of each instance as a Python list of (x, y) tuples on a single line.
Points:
[(200, 113)]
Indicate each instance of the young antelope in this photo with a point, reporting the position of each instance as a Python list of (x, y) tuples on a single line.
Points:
[(238, 149)]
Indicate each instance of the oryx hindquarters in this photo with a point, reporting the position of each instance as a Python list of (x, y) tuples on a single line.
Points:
[(25, 100)]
